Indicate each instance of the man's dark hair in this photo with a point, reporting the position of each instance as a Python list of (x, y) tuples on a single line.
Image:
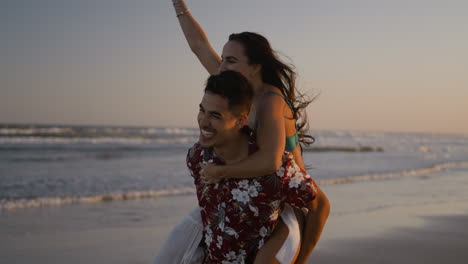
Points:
[(232, 86)]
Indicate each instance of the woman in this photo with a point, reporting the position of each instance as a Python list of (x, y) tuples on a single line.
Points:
[(274, 114)]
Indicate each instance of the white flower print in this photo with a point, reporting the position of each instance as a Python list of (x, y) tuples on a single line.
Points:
[(208, 239), (275, 204), (241, 256), (263, 231), (231, 255), (280, 172), (241, 196), (260, 244), (243, 184), (231, 232), (296, 167), (253, 209), (233, 258), (291, 171), (274, 215), (299, 174), (252, 190), (256, 183), (244, 197), (220, 241), (236, 194), (295, 181), (208, 230)]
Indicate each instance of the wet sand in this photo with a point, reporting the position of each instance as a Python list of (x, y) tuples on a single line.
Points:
[(441, 238), (413, 220)]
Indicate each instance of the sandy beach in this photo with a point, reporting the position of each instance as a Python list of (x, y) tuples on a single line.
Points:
[(421, 219), (441, 239)]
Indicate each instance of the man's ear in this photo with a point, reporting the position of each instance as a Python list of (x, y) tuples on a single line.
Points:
[(242, 120)]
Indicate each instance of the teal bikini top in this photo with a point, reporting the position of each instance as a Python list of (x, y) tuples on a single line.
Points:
[(291, 142)]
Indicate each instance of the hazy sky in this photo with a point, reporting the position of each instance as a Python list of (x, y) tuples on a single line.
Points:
[(399, 65)]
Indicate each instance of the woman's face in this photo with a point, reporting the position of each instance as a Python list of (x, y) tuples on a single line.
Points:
[(234, 59)]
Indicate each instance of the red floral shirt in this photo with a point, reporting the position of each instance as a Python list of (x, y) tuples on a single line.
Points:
[(239, 215)]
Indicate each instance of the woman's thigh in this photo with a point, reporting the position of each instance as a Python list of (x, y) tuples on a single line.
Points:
[(267, 254)]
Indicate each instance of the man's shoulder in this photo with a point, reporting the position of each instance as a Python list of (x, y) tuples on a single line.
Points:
[(198, 153), (194, 152)]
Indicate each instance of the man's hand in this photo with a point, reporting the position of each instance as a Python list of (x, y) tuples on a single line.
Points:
[(210, 173)]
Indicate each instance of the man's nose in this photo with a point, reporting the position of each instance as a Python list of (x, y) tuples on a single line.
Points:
[(204, 121)]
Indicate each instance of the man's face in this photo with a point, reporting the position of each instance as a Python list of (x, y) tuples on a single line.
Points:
[(217, 123)]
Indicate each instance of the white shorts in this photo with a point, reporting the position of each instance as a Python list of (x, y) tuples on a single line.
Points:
[(181, 246), (290, 247)]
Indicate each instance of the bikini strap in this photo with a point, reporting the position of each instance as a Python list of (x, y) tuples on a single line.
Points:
[(291, 142), (285, 99)]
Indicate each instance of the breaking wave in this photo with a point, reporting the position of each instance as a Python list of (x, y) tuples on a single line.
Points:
[(9, 204)]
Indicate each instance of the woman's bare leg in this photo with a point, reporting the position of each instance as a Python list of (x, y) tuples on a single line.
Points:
[(267, 254)]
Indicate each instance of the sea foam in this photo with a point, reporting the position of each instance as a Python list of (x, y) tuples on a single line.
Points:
[(12, 204)]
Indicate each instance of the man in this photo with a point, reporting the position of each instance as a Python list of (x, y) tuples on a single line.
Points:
[(239, 215)]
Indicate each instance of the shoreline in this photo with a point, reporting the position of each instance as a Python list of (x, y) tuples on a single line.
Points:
[(385, 221), (44, 202)]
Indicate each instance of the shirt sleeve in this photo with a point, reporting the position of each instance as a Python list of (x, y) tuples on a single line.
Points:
[(193, 160), (299, 188)]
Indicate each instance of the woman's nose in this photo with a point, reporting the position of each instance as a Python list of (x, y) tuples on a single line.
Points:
[(222, 67)]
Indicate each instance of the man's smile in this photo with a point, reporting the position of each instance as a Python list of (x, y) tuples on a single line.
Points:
[(206, 134)]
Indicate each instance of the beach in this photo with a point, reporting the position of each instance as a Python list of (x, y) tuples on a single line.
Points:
[(103, 194), (430, 227), (102, 102), (420, 219)]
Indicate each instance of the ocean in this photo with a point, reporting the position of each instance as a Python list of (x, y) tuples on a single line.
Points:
[(57, 165)]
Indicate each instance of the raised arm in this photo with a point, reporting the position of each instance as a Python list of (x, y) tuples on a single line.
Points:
[(196, 38)]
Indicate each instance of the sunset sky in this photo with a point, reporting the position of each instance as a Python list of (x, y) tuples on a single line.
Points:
[(398, 65)]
